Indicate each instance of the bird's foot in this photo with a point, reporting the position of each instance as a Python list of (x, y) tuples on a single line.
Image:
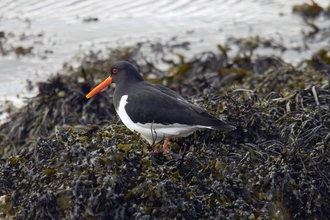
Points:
[(165, 148)]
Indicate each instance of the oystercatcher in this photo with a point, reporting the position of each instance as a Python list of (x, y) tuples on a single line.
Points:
[(156, 112)]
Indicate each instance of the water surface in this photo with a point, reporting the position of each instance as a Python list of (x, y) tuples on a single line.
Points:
[(57, 32)]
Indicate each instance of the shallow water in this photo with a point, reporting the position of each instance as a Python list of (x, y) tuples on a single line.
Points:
[(57, 32)]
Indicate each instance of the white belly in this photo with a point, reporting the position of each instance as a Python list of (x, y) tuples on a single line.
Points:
[(154, 133)]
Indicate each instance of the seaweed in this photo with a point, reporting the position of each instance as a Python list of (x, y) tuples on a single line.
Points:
[(306, 10), (64, 156)]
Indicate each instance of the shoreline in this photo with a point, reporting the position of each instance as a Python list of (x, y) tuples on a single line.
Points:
[(52, 46), (63, 156)]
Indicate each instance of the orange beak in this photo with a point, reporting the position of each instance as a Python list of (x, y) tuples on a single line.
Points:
[(98, 88)]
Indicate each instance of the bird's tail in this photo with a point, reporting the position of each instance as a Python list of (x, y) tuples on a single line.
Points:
[(224, 126)]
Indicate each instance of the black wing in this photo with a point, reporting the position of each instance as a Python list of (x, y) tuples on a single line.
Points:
[(157, 104)]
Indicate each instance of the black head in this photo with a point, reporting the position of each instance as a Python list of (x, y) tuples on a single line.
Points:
[(122, 72)]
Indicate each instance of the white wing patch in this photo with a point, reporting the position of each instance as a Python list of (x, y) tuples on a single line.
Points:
[(155, 132)]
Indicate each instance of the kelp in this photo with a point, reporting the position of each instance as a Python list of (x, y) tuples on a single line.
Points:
[(275, 165), (307, 10), (64, 156)]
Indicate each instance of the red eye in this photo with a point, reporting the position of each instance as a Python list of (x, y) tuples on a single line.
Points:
[(114, 71)]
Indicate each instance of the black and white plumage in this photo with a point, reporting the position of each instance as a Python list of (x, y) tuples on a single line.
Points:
[(153, 110)]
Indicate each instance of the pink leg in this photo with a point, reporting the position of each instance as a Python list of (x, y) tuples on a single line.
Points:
[(165, 148)]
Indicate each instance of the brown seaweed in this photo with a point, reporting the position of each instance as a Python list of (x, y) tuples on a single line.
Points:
[(64, 156)]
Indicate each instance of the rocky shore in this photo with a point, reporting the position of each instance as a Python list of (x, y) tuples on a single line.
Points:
[(64, 156)]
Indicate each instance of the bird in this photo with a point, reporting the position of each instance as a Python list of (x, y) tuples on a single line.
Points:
[(155, 111)]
